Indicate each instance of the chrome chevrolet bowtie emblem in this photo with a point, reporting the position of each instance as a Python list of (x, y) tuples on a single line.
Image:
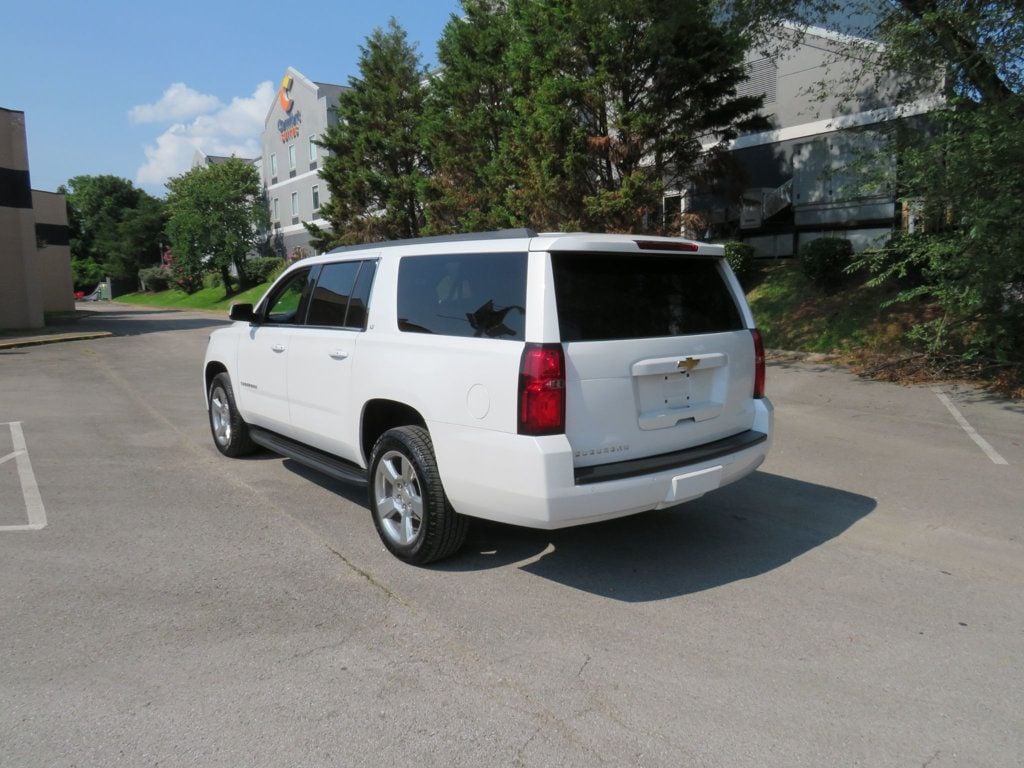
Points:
[(688, 364)]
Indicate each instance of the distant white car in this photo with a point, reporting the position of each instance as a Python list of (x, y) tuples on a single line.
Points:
[(542, 380)]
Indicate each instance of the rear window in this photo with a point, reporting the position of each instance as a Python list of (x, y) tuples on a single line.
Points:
[(480, 295), (603, 297)]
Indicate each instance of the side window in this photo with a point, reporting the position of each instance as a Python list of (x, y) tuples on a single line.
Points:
[(284, 305), (331, 296), (478, 295), (359, 304)]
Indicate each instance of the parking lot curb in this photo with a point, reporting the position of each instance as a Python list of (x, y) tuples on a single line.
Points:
[(55, 338)]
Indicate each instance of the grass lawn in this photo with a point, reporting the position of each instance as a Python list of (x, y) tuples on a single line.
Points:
[(212, 299), (795, 315)]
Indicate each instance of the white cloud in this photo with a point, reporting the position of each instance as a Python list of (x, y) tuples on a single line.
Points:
[(179, 102), (232, 130)]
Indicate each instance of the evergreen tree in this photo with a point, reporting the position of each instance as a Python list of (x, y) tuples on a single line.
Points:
[(469, 116), (377, 169), (574, 114), (619, 96)]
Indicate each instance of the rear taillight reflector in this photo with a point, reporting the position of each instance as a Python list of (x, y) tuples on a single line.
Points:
[(542, 390), (758, 363)]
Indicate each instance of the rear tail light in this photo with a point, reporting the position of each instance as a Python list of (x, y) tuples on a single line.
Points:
[(542, 390), (758, 363), (662, 245)]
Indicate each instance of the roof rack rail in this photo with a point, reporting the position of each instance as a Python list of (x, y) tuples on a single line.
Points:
[(500, 234)]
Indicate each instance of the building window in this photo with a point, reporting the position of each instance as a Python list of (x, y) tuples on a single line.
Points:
[(312, 149), (673, 213), (291, 156), (316, 197), (295, 203), (273, 165), (275, 216)]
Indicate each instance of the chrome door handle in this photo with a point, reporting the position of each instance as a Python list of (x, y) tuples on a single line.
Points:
[(278, 347), (339, 355)]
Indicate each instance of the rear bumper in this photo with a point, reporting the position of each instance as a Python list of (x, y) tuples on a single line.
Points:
[(531, 481), (701, 454)]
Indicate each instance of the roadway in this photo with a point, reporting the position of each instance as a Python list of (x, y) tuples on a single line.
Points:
[(859, 601)]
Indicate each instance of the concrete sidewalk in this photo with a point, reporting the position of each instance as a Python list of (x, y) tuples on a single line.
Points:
[(96, 320), (63, 326), (12, 342)]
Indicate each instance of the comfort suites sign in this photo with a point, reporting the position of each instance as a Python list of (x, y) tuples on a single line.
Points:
[(289, 124)]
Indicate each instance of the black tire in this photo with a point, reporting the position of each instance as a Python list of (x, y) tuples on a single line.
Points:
[(230, 432), (409, 484)]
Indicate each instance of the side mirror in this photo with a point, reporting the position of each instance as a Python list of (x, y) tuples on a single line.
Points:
[(241, 312)]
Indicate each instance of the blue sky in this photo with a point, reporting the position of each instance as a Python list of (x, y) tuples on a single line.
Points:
[(130, 88)]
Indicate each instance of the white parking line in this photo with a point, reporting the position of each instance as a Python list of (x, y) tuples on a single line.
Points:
[(991, 452), (29, 486), (10, 456)]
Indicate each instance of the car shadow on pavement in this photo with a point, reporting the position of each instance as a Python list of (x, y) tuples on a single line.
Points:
[(136, 324), (744, 530), (348, 491), (133, 322), (84, 314)]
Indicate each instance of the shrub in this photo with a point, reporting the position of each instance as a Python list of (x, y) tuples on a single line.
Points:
[(185, 278), (741, 258), (825, 260), (155, 279), (263, 268)]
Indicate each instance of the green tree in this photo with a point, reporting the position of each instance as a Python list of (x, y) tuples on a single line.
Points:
[(141, 232), (657, 78), (966, 183), (960, 170), (377, 168), (979, 46), (576, 113), (217, 218), (963, 170), (116, 228), (469, 114)]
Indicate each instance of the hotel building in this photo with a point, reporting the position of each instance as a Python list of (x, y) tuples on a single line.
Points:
[(290, 162)]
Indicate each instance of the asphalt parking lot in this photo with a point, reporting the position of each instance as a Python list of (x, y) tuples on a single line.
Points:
[(859, 601)]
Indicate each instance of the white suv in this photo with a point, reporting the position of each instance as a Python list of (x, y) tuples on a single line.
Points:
[(542, 380)]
